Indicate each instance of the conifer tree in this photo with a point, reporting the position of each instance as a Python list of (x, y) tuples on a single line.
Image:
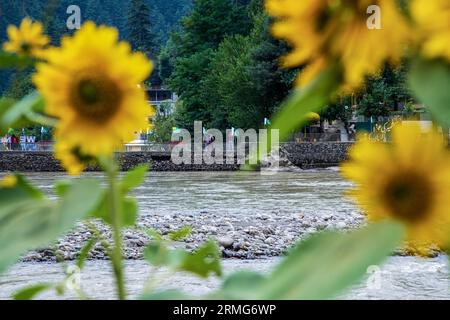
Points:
[(140, 35), (139, 28), (209, 23)]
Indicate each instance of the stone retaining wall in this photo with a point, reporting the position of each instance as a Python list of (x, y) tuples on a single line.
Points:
[(305, 155), (316, 155)]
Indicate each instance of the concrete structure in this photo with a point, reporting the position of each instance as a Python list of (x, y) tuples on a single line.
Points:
[(158, 95)]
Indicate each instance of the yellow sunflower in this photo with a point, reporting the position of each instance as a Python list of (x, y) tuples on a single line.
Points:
[(28, 39), (71, 158), (92, 84), (433, 22), (408, 181), (322, 31), (8, 181)]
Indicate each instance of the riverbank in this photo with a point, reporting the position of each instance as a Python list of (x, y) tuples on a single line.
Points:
[(239, 236), (252, 215), (302, 155)]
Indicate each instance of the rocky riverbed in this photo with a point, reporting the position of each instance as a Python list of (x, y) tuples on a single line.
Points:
[(250, 215), (239, 236)]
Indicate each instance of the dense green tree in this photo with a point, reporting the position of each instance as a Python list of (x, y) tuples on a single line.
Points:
[(341, 109), (384, 93), (188, 80), (140, 34), (221, 59), (165, 15), (372, 102), (166, 60), (20, 85), (20, 81), (209, 23), (54, 27), (139, 28), (245, 83), (163, 123), (228, 83), (110, 12)]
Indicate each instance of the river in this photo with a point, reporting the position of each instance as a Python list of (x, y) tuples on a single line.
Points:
[(317, 193)]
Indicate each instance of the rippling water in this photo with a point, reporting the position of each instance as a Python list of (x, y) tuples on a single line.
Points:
[(400, 278), (308, 192)]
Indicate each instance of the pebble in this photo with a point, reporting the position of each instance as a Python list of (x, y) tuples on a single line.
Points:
[(341, 225), (239, 236), (226, 242)]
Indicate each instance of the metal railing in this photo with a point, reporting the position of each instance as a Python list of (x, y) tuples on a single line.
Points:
[(31, 147), (317, 137), (149, 147)]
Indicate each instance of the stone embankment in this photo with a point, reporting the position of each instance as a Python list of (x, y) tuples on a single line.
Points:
[(303, 155)]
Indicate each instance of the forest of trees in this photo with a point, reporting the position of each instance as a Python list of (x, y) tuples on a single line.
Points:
[(224, 65), (217, 55), (160, 18)]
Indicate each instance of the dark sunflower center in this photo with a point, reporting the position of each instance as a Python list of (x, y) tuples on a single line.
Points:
[(88, 92), (345, 9), (409, 196), (96, 99), (25, 47), (82, 157)]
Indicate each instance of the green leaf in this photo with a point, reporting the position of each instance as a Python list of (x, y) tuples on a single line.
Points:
[(204, 261), (16, 114), (5, 105), (26, 226), (85, 252), (31, 221), (325, 264), (134, 178), (430, 81), (129, 210), (154, 234), (159, 255), (164, 295), (131, 180), (23, 190), (78, 201), (294, 113), (40, 118), (61, 187), (9, 60), (242, 285), (181, 234), (102, 210), (29, 293)]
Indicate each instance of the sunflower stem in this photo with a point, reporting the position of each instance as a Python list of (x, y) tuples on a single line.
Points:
[(42, 119), (116, 213)]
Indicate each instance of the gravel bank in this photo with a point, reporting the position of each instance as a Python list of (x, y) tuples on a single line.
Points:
[(239, 236)]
